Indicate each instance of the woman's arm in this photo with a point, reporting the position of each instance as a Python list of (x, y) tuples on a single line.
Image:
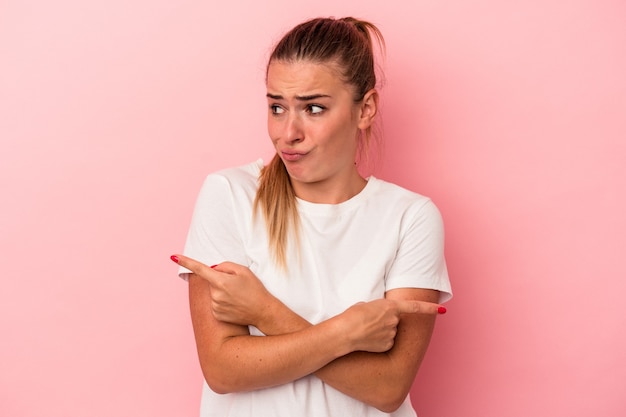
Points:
[(232, 360), (382, 380), (379, 379)]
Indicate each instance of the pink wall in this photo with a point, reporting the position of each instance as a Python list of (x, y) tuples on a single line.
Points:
[(512, 117)]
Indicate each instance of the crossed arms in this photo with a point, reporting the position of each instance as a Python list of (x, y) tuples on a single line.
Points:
[(370, 352)]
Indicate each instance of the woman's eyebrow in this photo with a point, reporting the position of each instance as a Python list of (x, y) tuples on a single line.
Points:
[(299, 98), (311, 97)]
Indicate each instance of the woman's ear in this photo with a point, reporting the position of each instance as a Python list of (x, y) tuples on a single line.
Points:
[(369, 107)]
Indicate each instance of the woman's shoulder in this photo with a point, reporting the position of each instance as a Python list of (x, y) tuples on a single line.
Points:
[(400, 201), (396, 194), (235, 180), (247, 172)]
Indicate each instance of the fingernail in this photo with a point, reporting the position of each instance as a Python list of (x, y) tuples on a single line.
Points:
[(213, 266), (441, 310), (174, 258)]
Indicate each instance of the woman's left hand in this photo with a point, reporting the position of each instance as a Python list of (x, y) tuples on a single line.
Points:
[(237, 295)]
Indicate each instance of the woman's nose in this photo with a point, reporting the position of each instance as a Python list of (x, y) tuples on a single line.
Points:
[(294, 131)]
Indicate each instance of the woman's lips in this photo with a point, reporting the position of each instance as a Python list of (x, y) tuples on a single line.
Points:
[(293, 156)]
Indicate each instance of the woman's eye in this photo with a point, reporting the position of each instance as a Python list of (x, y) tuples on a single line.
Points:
[(315, 109), (276, 109)]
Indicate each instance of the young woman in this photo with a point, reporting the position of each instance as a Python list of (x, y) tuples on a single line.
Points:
[(324, 286)]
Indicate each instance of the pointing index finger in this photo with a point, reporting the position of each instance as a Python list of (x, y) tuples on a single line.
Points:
[(420, 307), (194, 266)]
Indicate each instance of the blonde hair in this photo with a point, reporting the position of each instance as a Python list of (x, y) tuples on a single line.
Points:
[(347, 43)]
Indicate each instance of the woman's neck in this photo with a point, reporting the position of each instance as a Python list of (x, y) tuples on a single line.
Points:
[(330, 192)]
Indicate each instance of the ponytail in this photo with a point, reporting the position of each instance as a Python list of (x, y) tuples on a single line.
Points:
[(277, 202)]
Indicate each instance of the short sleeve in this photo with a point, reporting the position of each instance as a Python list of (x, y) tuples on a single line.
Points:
[(215, 232), (420, 261)]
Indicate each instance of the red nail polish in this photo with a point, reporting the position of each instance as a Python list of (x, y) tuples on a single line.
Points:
[(213, 266), (174, 258), (441, 310)]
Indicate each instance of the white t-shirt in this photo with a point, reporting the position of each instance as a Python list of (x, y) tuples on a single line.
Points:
[(383, 238)]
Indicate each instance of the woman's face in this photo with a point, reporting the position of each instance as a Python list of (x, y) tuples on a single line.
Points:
[(314, 123)]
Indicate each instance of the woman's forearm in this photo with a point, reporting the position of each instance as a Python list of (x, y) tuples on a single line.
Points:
[(244, 362), (232, 360), (381, 380)]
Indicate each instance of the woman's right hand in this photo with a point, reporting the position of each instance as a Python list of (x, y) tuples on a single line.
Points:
[(372, 326), (237, 295)]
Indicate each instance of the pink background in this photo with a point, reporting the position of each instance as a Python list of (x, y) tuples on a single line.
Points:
[(512, 117)]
